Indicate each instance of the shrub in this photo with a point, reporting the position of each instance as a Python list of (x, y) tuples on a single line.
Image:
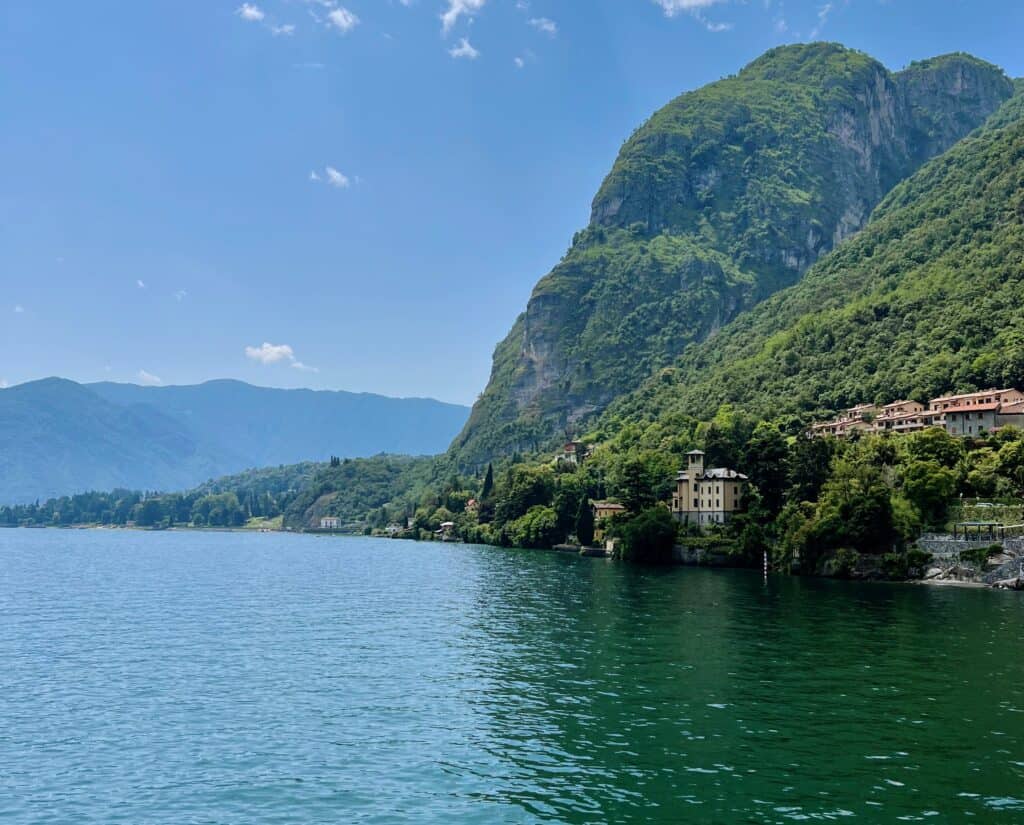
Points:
[(648, 537)]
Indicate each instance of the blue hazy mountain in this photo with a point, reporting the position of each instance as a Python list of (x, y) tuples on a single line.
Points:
[(58, 437)]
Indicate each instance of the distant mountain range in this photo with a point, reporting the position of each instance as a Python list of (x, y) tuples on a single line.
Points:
[(59, 437)]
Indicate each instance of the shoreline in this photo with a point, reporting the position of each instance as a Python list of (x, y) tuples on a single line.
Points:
[(582, 552)]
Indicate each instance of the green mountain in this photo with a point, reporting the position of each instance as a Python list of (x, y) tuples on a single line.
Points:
[(925, 300), (59, 437), (724, 197)]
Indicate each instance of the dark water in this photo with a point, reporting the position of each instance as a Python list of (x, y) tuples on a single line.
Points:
[(198, 678)]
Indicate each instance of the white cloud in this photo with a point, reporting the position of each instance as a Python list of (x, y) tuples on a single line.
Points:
[(519, 62), (140, 284), (342, 19), (336, 178), (694, 8), (147, 379), (180, 295), (543, 24), (269, 354), (250, 12), (18, 308), (331, 176), (464, 49), (458, 8), (823, 13), (673, 7), (3, 384), (712, 26), (287, 30)]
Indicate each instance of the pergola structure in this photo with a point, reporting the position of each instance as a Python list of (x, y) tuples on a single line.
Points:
[(993, 530)]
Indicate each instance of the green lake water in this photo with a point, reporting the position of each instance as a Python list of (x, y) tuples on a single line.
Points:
[(237, 678)]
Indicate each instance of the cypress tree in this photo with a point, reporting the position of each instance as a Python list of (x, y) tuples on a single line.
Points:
[(488, 483), (585, 523)]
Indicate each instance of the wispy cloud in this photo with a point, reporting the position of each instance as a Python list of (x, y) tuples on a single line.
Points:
[(270, 354), (180, 295), (3, 384), (147, 379), (823, 13), (543, 24), (342, 19), (674, 7), (336, 178), (465, 50), (457, 9), (695, 8), (18, 308), (140, 284), (332, 177), (519, 62), (250, 12)]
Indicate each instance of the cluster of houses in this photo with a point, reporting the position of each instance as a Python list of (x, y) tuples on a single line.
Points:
[(967, 415)]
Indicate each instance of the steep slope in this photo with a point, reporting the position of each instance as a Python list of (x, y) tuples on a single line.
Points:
[(272, 426), (926, 300), (722, 198), (59, 437)]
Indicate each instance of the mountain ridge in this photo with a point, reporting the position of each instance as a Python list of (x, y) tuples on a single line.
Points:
[(62, 437), (724, 196)]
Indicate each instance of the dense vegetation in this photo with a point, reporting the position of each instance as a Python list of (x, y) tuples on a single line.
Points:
[(925, 300), (234, 501), (722, 198), (817, 505)]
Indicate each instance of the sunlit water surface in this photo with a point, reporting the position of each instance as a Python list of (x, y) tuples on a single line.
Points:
[(236, 678)]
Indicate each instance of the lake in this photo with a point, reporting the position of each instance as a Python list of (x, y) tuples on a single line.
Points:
[(265, 678)]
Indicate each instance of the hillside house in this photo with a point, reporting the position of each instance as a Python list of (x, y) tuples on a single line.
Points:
[(574, 453), (604, 510), (330, 523), (964, 415), (705, 497)]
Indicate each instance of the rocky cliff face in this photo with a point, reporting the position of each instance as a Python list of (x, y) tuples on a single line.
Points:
[(722, 198)]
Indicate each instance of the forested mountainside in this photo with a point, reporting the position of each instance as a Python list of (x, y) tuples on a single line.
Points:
[(722, 198), (60, 437), (926, 300)]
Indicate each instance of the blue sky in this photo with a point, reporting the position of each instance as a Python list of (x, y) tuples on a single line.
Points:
[(354, 194)]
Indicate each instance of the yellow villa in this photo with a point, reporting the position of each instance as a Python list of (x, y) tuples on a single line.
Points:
[(705, 497)]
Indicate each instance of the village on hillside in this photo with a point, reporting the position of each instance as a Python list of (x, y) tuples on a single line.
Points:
[(973, 414)]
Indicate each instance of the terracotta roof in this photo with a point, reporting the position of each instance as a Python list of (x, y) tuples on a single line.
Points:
[(972, 395), (1013, 409), (995, 405)]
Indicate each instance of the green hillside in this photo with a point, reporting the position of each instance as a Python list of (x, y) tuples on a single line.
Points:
[(722, 198), (925, 300)]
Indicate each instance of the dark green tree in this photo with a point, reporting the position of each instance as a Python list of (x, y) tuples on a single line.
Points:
[(648, 537), (488, 488), (585, 523)]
